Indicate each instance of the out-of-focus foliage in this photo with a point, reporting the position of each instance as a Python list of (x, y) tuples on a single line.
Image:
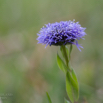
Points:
[(28, 70)]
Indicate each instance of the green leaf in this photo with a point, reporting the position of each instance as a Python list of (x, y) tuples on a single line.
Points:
[(76, 81), (49, 100), (71, 87), (74, 75), (66, 101), (61, 64)]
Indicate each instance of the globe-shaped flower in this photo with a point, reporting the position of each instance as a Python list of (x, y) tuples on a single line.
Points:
[(61, 33)]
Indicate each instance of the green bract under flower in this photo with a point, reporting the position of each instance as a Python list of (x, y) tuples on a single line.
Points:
[(61, 33)]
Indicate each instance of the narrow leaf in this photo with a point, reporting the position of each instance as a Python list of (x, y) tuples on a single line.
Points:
[(71, 87), (66, 101), (74, 75), (61, 64), (49, 100), (76, 81)]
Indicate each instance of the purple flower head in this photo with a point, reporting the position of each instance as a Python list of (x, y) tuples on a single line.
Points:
[(61, 33)]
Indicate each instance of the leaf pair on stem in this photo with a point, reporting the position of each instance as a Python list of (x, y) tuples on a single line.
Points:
[(72, 87)]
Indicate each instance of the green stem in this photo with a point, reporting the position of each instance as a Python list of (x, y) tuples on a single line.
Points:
[(70, 50), (65, 54)]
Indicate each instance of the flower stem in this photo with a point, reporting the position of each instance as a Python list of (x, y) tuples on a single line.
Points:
[(65, 54)]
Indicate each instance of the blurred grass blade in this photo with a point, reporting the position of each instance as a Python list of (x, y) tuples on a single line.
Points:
[(71, 87), (49, 100), (66, 101), (61, 64)]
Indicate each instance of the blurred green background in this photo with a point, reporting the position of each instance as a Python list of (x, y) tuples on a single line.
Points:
[(28, 70)]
